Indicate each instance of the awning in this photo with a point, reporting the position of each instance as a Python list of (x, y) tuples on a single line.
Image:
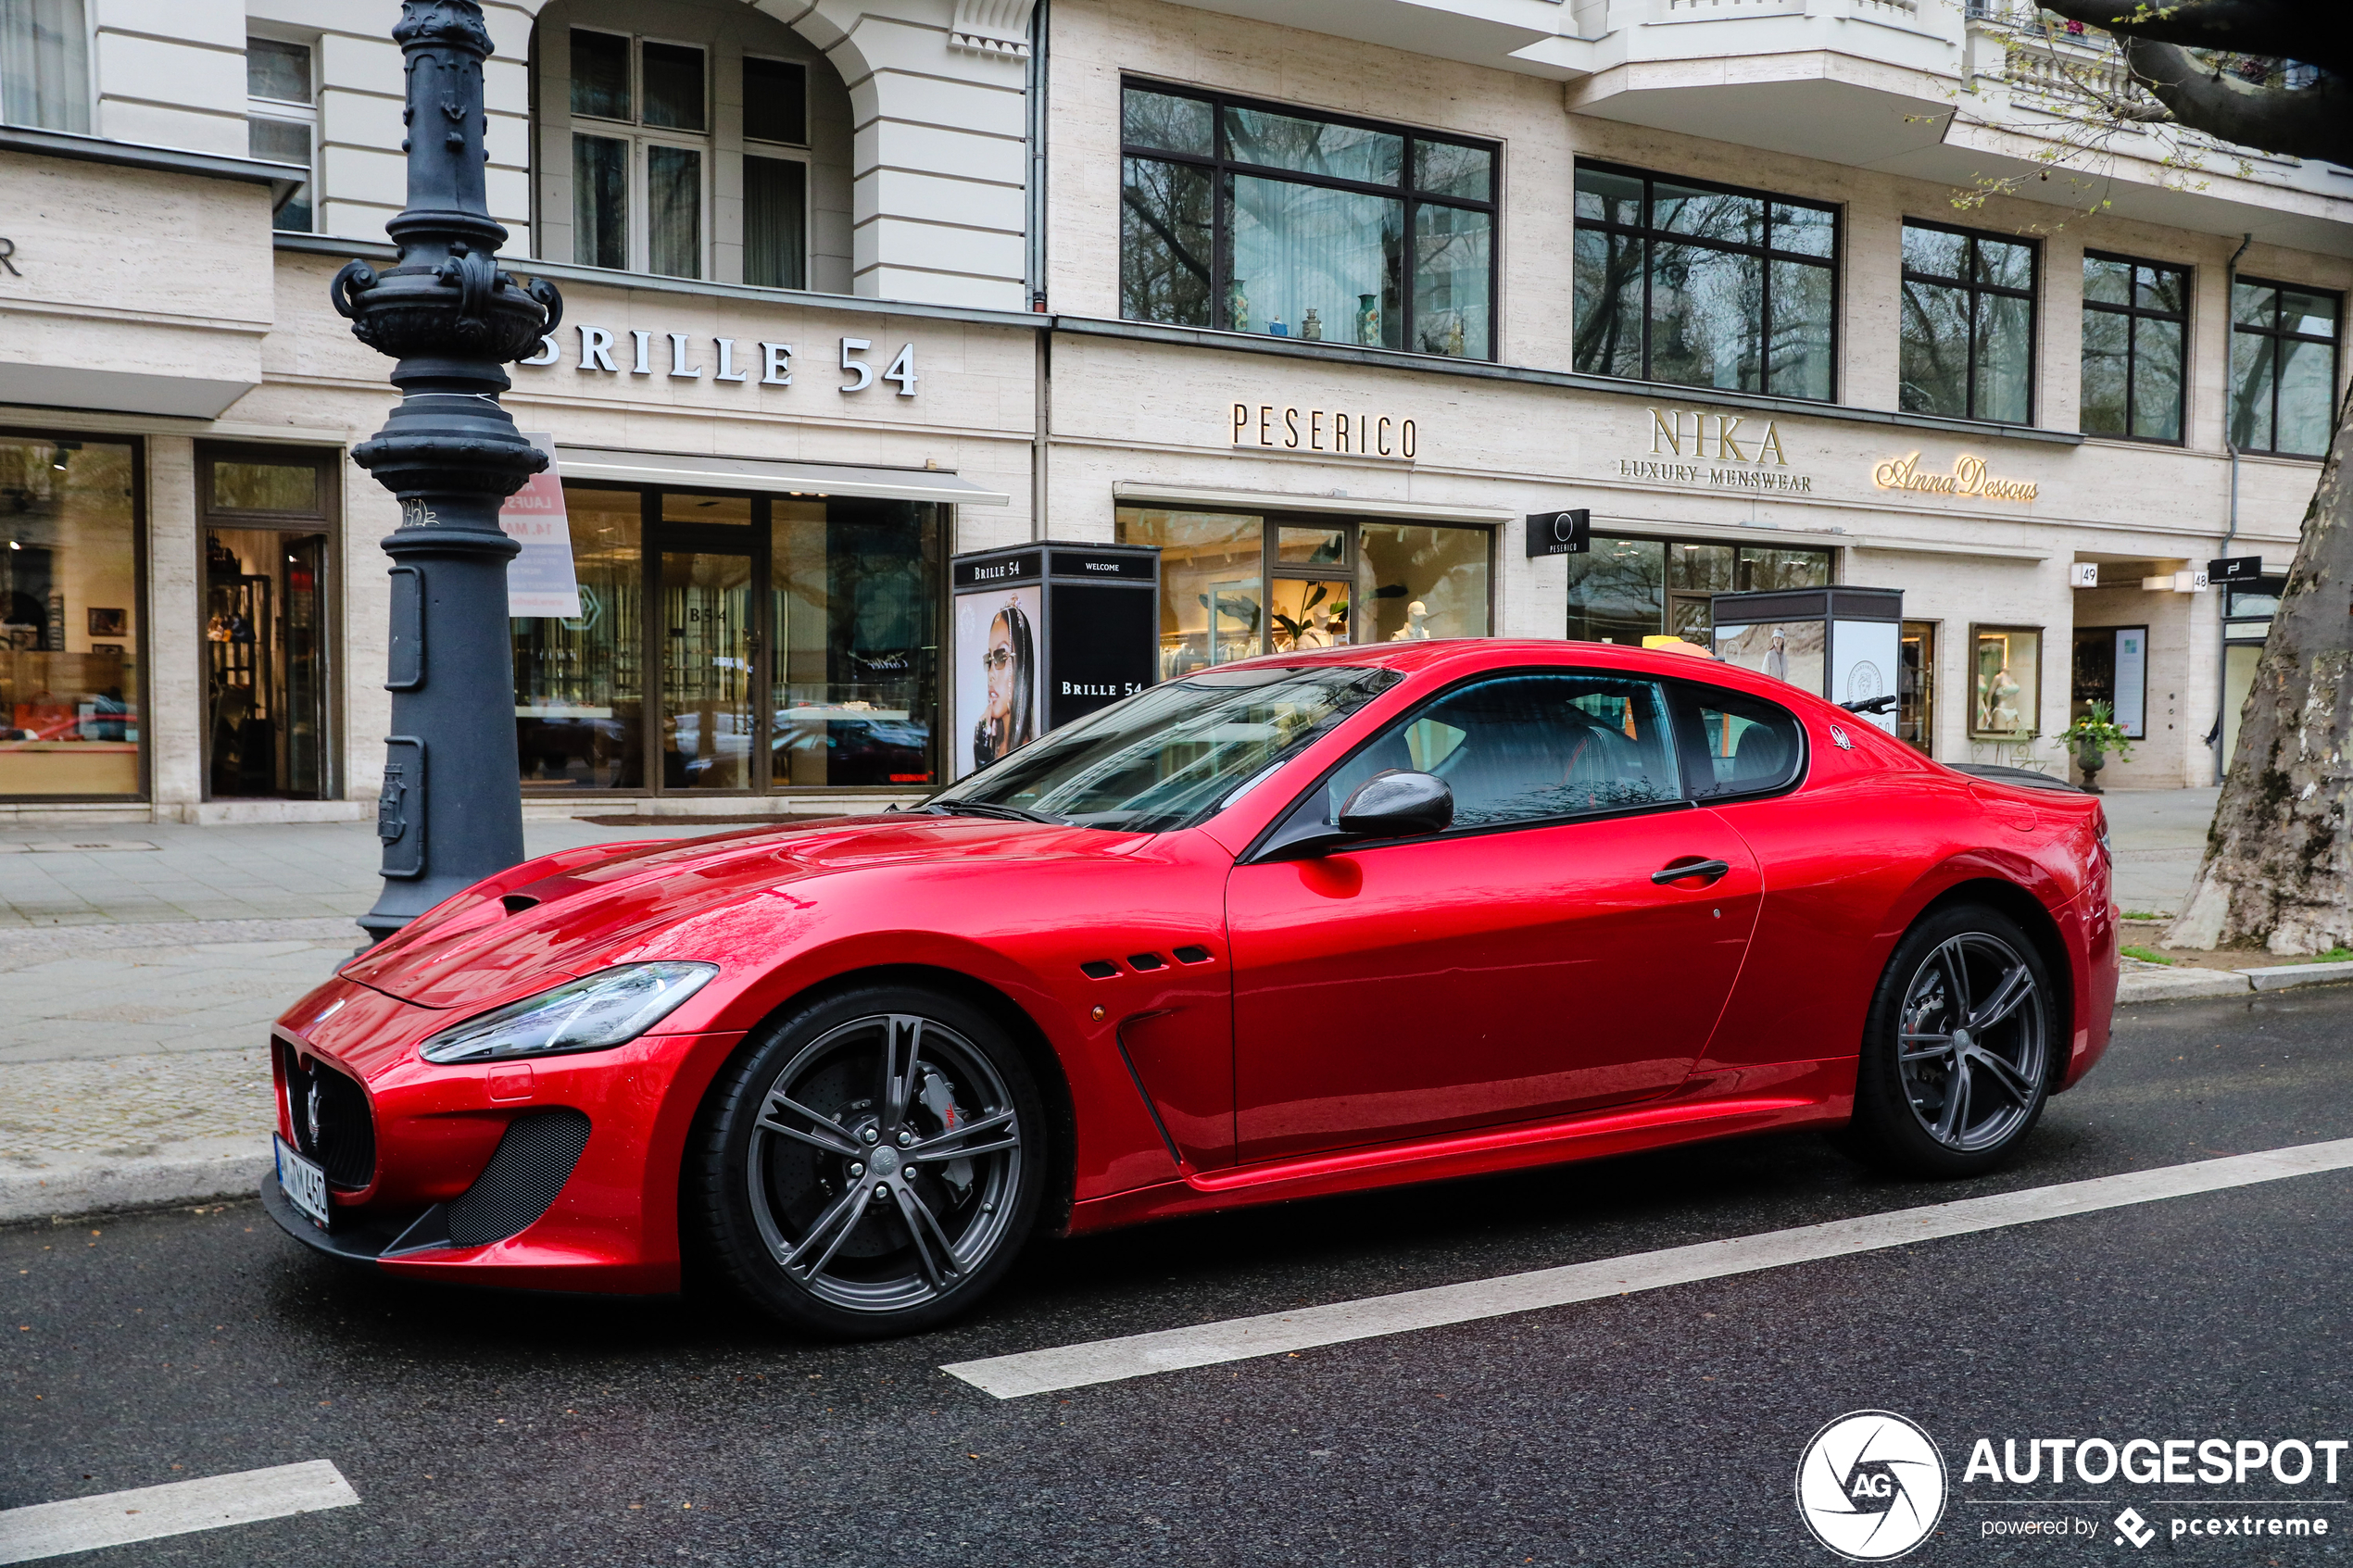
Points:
[(678, 472)]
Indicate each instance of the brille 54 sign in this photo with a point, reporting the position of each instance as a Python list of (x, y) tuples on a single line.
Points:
[(768, 364)]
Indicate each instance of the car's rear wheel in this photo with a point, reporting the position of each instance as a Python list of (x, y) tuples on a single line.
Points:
[(873, 1163), (1957, 1053)]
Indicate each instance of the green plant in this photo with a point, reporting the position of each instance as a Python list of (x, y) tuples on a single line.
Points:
[(2148, 954), (2097, 729), (2339, 954), (2141, 915)]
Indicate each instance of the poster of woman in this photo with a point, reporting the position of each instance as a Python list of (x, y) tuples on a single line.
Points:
[(996, 675)]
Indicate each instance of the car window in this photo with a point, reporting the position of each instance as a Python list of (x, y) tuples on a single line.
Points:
[(1532, 747), (1752, 746)]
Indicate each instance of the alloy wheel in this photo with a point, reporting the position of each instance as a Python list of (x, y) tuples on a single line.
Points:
[(883, 1165), (1974, 1042)]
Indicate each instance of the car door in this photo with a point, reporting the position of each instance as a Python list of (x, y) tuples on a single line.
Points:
[(1531, 962)]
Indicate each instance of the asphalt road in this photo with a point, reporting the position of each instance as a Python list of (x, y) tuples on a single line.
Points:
[(1662, 1427)]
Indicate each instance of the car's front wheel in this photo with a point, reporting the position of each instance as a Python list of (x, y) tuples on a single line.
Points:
[(873, 1163), (1958, 1049)]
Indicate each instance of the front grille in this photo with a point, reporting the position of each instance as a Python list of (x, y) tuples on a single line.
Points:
[(332, 1124), (534, 1158)]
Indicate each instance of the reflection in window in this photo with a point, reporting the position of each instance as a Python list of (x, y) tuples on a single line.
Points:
[(1333, 231), (2007, 700), (2136, 342), (1416, 583), (1624, 590), (1212, 604), (69, 620), (1618, 590), (2282, 369), (579, 693), (44, 65), (1703, 285), (856, 687), (1967, 325), (281, 120)]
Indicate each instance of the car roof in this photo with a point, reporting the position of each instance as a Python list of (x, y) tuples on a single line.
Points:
[(1455, 656)]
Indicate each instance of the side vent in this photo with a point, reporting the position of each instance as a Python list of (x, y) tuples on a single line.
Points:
[(518, 902), (1146, 962), (1192, 955), (1096, 969), (533, 1160)]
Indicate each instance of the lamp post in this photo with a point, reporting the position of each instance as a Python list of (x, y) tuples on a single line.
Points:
[(452, 810)]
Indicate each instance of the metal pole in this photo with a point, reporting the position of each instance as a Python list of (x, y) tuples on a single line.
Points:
[(452, 810)]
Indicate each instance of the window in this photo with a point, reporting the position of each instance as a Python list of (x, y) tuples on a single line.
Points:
[(1967, 325), (1531, 749), (71, 628), (776, 183), (281, 120), (44, 65), (2136, 344), (267, 518), (1749, 746), (2282, 369), (1916, 689), (2007, 700), (1624, 590), (1233, 586), (1705, 285), (1258, 219), (649, 179)]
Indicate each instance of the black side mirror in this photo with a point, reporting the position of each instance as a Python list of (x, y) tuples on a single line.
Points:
[(1398, 805)]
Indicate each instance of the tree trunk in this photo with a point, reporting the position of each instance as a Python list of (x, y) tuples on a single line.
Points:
[(2277, 872)]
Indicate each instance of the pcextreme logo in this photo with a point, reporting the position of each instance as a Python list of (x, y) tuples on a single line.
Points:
[(1871, 1485)]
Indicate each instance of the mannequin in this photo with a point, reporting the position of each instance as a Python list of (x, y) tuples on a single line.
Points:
[(1416, 628), (1777, 657)]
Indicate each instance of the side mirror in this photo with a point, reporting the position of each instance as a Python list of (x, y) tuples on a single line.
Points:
[(1398, 805)]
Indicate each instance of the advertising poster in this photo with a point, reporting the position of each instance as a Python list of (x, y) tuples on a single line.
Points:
[(1867, 653), (998, 697), (2133, 680), (540, 581)]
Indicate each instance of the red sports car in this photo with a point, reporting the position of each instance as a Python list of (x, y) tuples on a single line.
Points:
[(1308, 925)]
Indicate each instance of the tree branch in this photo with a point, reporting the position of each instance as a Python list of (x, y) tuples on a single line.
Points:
[(2314, 122), (2294, 29)]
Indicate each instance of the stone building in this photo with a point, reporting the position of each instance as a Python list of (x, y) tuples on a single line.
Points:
[(1776, 290)]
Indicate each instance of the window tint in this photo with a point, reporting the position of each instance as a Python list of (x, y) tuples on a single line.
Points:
[(1751, 746), (1525, 748)]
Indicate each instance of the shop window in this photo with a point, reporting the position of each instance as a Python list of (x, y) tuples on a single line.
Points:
[(71, 633), (282, 121), (579, 684), (1916, 687), (268, 516), (2135, 347), (2006, 676), (1624, 590), (1968, 328), (1237, 585), (44, 65), (2282, 369), (1705, 285), (1260, 220)]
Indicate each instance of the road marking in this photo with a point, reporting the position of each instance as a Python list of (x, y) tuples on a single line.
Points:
[(1172, 1350), (53, 1529)]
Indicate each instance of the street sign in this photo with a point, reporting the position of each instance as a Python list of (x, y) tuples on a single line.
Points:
[(1560, 534), (2235, 569)]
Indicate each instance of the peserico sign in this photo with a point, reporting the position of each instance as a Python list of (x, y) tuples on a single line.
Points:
[(1560, 534), (1279, 427)]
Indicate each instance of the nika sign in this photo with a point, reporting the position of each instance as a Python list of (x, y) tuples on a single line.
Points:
[(1723, 454), (684, 356), (1968, 478), (1278, 427)]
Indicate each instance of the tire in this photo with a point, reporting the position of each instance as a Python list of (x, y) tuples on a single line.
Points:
[(1908, 1120), (803, 1159)]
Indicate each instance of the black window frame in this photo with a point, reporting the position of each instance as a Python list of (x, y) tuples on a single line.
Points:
[(1698, 763), (1649, 233), (2032, 294), (2278, 337), (2136, 312), (1221, 165)]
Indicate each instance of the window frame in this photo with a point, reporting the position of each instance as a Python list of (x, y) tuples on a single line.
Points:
[(2134, 312), (1221, 166), (1647, 234), (287, 112), (2032, 294), (749, 140), (1977, 631), (640, 138), (2278, 337)]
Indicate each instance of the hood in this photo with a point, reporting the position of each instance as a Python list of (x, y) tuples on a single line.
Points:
[(566, 915)]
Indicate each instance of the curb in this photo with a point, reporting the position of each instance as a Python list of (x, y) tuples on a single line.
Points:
[(96, 1184), (2167, 985)]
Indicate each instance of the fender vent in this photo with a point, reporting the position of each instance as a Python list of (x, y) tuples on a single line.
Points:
[(533, 1160), (1147, 961), (1096, 969), (1192, 955)]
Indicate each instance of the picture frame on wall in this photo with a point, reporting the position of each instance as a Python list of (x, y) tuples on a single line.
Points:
[(109, 622)]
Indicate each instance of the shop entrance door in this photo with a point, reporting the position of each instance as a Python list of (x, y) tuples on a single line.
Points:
[(265, 643), (714, 730)]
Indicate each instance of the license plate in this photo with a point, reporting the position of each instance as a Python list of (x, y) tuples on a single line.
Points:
[(303, 1182)]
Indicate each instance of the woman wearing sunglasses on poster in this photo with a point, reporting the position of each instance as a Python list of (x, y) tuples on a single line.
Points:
[(1007, 722)]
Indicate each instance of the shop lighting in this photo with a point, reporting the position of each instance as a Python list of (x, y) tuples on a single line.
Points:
[(62, 456)]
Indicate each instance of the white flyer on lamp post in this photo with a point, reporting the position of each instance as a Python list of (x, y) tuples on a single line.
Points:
[(541, 580)]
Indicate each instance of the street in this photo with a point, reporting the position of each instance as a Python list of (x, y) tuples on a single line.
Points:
[(1663, 1426)]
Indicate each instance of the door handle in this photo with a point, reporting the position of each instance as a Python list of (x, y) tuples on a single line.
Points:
[(1683, 871)]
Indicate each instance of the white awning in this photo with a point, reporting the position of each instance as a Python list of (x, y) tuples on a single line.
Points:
[(679, 471)]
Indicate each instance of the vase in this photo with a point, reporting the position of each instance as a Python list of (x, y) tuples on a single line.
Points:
[(2091, 758)]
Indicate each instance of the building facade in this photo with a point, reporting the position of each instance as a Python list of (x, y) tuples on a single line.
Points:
[(1775, 290)]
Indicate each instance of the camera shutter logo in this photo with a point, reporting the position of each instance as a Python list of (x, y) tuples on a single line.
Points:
[(1871, 1485)]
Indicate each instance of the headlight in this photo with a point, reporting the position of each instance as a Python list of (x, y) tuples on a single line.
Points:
[(593, 1014)]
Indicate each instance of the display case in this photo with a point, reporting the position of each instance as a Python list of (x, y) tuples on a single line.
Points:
[(1841, 642)]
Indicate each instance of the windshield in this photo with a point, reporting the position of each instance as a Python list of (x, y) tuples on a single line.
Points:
[(1169, 756)]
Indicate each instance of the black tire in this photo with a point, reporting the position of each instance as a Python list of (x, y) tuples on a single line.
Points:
[(800, 1170), (1908, 1119)]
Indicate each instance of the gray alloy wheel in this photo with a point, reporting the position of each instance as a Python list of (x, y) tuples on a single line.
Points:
[(1973, 1044)]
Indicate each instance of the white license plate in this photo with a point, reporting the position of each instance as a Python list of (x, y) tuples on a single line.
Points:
[(303, 1182)]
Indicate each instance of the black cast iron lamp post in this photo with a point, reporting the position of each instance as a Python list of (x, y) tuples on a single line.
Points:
[(452, 810)]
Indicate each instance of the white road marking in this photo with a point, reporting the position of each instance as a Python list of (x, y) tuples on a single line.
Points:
[(1140, 1355), (53, 1529)]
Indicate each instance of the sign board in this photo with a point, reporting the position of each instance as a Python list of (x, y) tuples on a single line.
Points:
[(1841, 642), (2235, 569), (1560, 534), (540, 582), (2133, 680), (1047, 634), (2083, 574)]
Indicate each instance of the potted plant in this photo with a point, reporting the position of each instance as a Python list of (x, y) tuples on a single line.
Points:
[(2094, 734)]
